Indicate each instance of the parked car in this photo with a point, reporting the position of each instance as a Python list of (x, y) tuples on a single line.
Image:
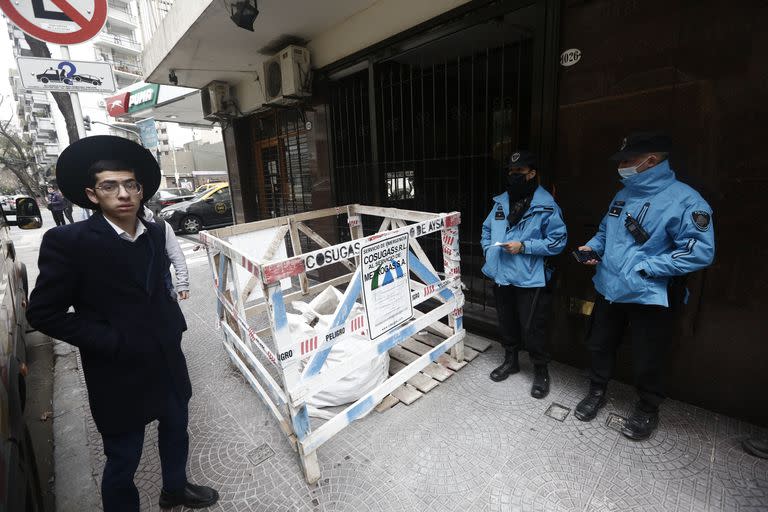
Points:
[(9, 207), (168, 196), (20, 486), (211, 209), (206, 187), (90, 79)]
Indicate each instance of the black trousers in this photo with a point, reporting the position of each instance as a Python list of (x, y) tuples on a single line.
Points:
[(58, 217), (68, 215), (123, 451), (523, 315), (650, 328)]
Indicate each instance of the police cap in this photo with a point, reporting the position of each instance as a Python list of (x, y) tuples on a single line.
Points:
[(522, 158), (639, 143)]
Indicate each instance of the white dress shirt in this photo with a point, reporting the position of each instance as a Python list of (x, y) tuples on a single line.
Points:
[(140, 230)]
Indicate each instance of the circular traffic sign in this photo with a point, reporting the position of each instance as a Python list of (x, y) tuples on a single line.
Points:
[(74, 21)]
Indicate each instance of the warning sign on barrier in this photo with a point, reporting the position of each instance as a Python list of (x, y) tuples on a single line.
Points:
[(385, 280)]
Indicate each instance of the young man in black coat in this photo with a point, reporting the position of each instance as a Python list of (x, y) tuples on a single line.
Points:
[(113, 271)]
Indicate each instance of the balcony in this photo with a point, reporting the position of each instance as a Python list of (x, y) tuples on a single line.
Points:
[(121, 67), (52, 149), (40, 100), (46, 125), (121, 15), (118, 41), (45, 138)]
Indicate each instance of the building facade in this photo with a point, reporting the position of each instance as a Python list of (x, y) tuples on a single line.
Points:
[(418, 104), (33, 108)]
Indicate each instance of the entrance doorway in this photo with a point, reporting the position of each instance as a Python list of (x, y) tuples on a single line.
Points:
[(430, 128), (282, 164)]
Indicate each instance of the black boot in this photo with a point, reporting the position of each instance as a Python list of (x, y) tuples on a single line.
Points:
[(641, 424), (507, 368), (588, 407), (540, 387)]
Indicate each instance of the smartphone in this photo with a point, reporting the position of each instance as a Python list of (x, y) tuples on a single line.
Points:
[(585, 256)]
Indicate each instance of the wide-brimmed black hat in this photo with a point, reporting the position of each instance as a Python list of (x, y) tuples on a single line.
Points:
[(522, 158), (75, 161), (639, 143)]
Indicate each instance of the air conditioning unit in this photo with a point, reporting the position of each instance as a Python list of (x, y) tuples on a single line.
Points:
[(287, 76), (216, 100)]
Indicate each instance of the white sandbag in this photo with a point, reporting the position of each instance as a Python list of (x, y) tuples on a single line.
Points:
[(362, 380), (326, 301), (298, 327), (319, 313)]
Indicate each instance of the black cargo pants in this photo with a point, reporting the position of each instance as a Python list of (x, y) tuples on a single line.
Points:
[(650, 328), (523, 315)]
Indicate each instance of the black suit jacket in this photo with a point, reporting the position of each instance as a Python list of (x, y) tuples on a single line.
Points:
[(126, 323)]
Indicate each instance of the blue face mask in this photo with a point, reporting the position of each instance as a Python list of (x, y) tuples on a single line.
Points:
[(628, 172)]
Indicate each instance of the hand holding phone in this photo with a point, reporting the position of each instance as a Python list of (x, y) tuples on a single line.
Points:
[(586, 256)]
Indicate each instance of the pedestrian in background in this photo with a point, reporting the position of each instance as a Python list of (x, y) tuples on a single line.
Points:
[(68, 210), (56, 205), (656, 228), (174, 252), (524, 227), (104, 287)]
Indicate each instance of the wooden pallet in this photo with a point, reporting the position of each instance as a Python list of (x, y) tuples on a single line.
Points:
[(431, 376)]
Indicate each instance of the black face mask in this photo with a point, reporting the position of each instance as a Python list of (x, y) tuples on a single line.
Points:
[(518, 187)]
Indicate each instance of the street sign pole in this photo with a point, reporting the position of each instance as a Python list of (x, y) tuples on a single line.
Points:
[(75, 101)]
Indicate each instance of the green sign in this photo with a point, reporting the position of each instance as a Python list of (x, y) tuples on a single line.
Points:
[(143, 98)]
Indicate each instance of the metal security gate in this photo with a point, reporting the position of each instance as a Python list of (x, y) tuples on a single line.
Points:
[(430, 129), (283, 164)]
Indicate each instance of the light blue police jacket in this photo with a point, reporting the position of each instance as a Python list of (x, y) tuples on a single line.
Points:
[(679, 222), (541, 229)]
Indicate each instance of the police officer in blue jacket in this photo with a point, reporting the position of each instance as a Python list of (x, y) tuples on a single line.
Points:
[(656, 228), (524, 227)]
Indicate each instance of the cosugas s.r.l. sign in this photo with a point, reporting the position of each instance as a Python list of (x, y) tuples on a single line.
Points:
[(57, 21), (385, 284)]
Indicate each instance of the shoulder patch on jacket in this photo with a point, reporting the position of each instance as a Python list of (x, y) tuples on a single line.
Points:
[(701, 220)]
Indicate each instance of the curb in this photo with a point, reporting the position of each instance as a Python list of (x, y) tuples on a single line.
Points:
[(76, 488)]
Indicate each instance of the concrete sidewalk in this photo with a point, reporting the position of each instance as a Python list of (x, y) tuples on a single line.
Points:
[(471, 444)]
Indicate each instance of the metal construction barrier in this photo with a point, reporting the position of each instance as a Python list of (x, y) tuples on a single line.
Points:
[(260, 267)]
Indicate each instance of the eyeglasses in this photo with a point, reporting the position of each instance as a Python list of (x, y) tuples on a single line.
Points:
[(112, 187)]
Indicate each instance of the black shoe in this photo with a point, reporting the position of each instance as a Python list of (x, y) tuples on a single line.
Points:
[(588, 407), (540, 387), (192, 496), (507, 368), (640, 425), (756, 446)]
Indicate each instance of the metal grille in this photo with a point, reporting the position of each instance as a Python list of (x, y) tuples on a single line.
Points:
[(443, 130), (284, 165)]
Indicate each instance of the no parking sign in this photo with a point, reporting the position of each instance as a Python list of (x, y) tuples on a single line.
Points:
[(58, 21)]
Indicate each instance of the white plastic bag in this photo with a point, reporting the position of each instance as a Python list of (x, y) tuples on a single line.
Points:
[(363, 379)]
